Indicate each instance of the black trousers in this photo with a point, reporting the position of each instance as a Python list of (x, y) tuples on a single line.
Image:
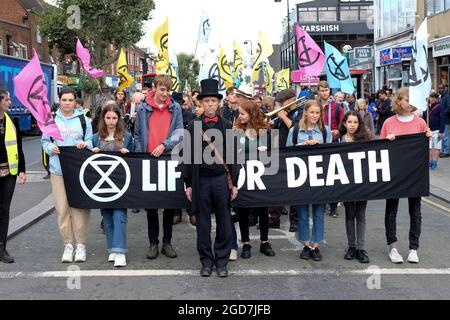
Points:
[(7, 185), (390, 221), (263, 223), (276, 212), (153, 225), (214, 196)]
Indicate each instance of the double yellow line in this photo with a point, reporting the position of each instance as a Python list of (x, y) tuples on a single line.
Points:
[(446, 211)]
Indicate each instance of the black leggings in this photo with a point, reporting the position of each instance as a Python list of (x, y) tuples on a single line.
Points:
[(7, 185), (263, 223)]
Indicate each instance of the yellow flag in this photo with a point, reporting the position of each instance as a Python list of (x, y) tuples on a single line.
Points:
[(161, 40), (238, 64), (122, 69), (175, 81), (224, 68), (269, 76), (283, 79), (263, 51)]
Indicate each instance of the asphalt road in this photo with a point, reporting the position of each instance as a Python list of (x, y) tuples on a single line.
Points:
[(38, 273)]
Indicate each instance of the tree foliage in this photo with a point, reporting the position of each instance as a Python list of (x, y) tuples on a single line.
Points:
[(188, 69), (102, 22)]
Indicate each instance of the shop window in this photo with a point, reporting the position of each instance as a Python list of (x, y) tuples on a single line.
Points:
[(327, 14), (349, 13), (307, 14)]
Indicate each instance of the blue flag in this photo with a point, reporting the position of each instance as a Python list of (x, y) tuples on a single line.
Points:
[(204, 29), (338, 73)]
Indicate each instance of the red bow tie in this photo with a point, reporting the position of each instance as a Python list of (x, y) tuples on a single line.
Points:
[(206, 119)]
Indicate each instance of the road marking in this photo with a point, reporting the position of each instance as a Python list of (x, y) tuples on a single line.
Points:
[(437, 205), (290, 272)]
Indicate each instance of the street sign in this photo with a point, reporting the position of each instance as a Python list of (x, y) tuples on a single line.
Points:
[(363, 53)]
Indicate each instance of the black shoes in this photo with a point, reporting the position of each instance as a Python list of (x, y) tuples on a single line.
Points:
[(152, 251), (246, 251), (177, 219), (350, 254), (135, 210), (193, 220), (4, 255), (293, 228), (306, 253), (362, 256), (316, 255), (266, 248), (222, 272), (274, 225), (334, 213), (444, 155), (205, 271), (168, 250)]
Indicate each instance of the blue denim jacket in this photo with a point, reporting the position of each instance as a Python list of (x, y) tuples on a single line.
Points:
[(304, 135)]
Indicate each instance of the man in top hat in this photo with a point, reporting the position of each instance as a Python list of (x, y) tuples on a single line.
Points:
[(209, 187)]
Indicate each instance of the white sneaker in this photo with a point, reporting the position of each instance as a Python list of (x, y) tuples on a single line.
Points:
[(68, 254), (233, 255), (395, 256), (413, 257), (120, 261), (112, 257), (80, 253)]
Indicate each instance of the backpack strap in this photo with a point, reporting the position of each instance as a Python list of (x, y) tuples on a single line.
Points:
[(338, 109), (83, 124), (324, 134)]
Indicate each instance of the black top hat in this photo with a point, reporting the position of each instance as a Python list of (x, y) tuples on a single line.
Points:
[(178, 97), (210, 88)]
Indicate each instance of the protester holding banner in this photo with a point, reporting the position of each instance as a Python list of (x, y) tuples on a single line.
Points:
[(253, 135), (159, 126), (12, 165), (76, 130), (404, 122), (332, 114), (112, 136), (210, 186), (310, 131), (353, 129)]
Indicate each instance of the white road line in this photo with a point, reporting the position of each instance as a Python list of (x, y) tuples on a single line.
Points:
[(291, 272)]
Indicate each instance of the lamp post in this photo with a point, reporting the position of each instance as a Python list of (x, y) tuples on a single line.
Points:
[(288, 30)]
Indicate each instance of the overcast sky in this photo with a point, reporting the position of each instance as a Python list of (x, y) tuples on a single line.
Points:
[(230, 19)]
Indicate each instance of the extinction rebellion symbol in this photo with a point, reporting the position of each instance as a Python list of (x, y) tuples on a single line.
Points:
[(110, 163)]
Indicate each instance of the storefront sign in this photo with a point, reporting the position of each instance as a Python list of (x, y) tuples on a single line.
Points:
[(363, 53), (402, 53), (386, 57), (321, 28), (441, 48), (303, 79)]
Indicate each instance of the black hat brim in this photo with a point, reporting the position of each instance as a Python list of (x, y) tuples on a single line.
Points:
[(204, 95)]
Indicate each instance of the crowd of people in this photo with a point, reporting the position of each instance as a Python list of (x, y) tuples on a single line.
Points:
[(150, 122)]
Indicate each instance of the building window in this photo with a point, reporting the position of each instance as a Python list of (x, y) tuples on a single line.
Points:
[(1, 46), (365, 12), (23, 51), (436, 6), (307, 14), (349, 13), (38, 36), (327, 14)]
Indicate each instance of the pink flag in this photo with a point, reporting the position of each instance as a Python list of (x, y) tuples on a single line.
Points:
[(310, 57), (30, 88), (85, 58)]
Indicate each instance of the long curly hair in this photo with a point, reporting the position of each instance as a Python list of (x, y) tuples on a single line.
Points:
[(362, 134), (257, 120), (119, 134)]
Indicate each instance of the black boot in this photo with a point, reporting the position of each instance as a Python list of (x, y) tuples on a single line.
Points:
[(4, 255)]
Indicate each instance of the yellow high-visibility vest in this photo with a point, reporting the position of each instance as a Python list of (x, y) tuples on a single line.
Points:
[(11, 146)]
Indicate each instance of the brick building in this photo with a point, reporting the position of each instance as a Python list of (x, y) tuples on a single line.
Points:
[(18, 29)]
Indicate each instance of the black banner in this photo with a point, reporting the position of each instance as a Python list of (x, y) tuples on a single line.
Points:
[(378, 169)]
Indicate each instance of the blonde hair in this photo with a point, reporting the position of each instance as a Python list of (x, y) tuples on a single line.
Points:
[(400, 95), (303, 123), (361, 105)]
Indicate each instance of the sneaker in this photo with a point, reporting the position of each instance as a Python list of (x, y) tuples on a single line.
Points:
[(306, 253), (334, 214), (395, 256), (246, 251), (266, 248), (80, 253), (316, 255), (430, 164), (67, 256), (362, 256), (350, 253), (120, 260), (112, 257), (413, 257), (233, 255)]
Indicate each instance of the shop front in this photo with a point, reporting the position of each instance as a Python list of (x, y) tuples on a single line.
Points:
[(441, 56), (393, 67)]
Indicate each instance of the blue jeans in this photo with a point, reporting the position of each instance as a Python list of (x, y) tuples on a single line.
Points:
[(318, 223), (446, 140), (234, 244), (115, 222)]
